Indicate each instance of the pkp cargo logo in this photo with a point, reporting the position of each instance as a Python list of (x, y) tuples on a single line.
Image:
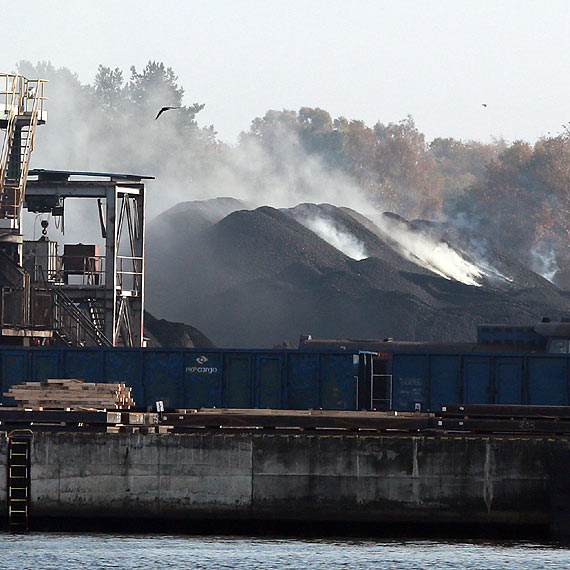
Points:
[(201, 369)]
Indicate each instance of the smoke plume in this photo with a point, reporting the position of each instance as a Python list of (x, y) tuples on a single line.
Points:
[(543, 260), (90, 128), (337, 237)]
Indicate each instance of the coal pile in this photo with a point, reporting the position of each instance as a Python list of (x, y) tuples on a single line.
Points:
[(484, 252), (165, 334), (258, 278)]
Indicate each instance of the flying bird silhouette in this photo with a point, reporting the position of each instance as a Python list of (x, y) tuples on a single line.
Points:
[(164, 109), (484, 104)]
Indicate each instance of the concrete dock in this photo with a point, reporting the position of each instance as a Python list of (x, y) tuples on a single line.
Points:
[(306, 476)]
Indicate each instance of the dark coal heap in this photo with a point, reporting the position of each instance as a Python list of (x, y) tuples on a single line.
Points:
[(258, 278), (165, 334)]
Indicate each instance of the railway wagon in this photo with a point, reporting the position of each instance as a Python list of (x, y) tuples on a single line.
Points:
[(403, 379), (425, 380), (194, 378)]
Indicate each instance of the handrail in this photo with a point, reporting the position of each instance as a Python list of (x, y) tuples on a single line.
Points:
[(34, 91), (10, 96), (28, 148), (62, 301), (19, 92)]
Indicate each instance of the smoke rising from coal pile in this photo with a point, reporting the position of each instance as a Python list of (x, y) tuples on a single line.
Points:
[(255, 277), (437, 256), (331, 230), (91, 129), (543, 260), (112, 128), (260, 277), (343, 241), (290, 157), (116, 131)]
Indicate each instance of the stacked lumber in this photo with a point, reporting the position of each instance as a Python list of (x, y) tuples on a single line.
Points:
[(71, 393)]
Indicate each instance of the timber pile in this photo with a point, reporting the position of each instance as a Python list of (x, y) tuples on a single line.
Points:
[(71, 393)]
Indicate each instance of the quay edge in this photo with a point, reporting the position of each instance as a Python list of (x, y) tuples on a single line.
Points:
[(459, 480)]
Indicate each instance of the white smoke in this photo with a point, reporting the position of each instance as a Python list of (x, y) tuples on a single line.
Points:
[(337, 237), (543, 260), (477, 246), (78, 136), (432, 254), (282, 178), (439, 258)]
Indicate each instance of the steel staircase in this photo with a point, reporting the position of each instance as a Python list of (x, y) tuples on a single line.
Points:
[(73, 326), (97, 314), (21, 108)]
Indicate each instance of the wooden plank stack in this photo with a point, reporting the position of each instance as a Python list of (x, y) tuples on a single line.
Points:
[(71, 393)]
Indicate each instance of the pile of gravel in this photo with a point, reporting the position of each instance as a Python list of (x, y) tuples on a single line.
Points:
[(258, 278), (165, 334)]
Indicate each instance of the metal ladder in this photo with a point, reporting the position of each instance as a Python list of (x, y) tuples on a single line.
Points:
[(18, 487)]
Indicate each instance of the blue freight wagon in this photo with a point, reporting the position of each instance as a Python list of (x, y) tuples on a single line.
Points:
[(513, 365), (281, 379), (424, 381), (509, 364)]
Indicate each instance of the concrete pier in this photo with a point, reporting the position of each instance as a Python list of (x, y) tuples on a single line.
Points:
[(306, 476)]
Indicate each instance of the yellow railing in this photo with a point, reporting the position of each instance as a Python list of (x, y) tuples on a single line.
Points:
[(22, 102), (20, 93), (10, 101)]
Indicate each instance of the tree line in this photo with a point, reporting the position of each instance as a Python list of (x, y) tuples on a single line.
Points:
[(512, 193)]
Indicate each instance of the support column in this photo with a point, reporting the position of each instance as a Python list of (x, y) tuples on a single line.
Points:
[(139, 248), (111, 265)]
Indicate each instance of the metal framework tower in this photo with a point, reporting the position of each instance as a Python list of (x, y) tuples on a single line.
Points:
[(106, 290), (81, 297)]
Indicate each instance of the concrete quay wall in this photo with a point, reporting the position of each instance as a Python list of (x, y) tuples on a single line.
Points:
[(298, 476)]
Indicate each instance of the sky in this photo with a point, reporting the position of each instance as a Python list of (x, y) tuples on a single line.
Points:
[(376, 60)]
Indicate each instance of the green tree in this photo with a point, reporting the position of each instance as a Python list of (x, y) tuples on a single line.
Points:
[(109, 88), (319, 136), (156, 86)]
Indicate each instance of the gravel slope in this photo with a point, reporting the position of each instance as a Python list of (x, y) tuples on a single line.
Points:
[(257, 278)]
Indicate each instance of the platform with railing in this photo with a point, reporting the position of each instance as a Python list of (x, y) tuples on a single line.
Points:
[(19, 96)]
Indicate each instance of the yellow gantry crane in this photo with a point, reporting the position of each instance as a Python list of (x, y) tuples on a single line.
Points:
[(21, 110)]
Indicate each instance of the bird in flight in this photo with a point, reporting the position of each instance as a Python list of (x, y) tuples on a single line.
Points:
[(484, 104), (164, 109)]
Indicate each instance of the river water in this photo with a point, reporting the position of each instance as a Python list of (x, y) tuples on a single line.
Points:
[(43, 551)]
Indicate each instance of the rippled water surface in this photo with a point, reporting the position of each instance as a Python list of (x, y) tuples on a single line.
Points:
[(87, 552)]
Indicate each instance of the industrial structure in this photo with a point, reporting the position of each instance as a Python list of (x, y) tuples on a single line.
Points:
[(380, 433), (79, 296)]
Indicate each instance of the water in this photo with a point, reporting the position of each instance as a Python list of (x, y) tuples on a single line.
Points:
[(40, 551)]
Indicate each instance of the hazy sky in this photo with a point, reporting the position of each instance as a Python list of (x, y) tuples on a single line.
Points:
[(370, 60)]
